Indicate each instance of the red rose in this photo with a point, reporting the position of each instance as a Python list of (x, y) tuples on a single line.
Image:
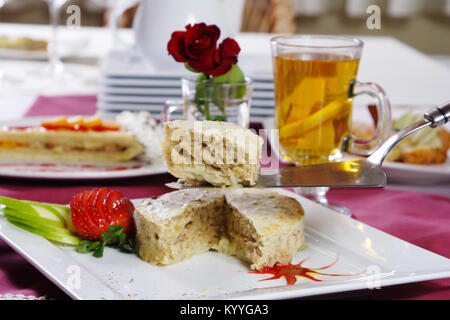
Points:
[(196, 46), (225, 57)]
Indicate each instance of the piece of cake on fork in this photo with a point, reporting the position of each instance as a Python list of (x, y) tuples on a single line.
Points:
[(215, 152)]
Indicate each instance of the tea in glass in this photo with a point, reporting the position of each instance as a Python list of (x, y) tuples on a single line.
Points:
[(315, 82), (312, 107)]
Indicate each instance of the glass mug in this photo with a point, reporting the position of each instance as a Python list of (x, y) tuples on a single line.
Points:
[(314, 83), (207, 100)]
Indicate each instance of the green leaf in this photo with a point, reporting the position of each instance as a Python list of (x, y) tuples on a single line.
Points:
[(122, 238), (94, 245), (114, 237), (115, 230), (202, 77), (234, 75), (106, 236), (87, 246), (127, 245), (84, 246), (127, 248), (98, 253)]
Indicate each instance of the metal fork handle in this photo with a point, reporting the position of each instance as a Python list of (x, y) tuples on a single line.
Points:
[(439, 115), (434, 118)]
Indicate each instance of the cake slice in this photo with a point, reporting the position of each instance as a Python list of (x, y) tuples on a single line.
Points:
[(258, 226), (219, 153), (89, 140), (262, 227), (178, 225)]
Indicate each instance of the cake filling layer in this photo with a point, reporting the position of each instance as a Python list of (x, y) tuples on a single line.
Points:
[(219, 153)]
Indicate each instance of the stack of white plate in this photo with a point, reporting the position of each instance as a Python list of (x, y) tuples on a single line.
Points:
[(127, 83)]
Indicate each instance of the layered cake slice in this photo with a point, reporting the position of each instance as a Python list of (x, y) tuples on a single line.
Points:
[(258, 226), (219, 153), (262, 227), (178, 225), (77, 139)]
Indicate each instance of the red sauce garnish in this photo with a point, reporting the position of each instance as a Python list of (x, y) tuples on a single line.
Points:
[(291, 271), (79, 128), (80, 124)]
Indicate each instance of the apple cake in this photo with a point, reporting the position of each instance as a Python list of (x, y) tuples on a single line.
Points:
[(215, 152), (258, 226)]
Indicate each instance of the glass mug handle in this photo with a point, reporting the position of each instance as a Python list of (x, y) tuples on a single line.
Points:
[(384, 125), (170, 107)]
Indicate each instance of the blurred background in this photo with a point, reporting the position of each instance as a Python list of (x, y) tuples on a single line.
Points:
[(423, 24), (408, 54), (36, 12)]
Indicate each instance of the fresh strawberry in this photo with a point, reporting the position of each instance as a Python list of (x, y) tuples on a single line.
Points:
[(93, 211), (98, 204), (80, 221)]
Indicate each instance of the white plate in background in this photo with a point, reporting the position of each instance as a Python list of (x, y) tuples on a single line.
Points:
[(61, 170), (68, 48), (417, 174)]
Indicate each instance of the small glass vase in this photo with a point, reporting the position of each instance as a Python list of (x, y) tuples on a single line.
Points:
[(207, 100)]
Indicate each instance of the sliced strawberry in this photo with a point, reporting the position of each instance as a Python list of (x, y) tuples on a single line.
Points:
[(95, 216), (99, 205), (97, 225), (85, 198), (121, 214), (93, 211), (86, 226), (112, 200), (78, 217), (120, 210)]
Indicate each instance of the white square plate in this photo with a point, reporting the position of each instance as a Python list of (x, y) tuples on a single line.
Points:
[(374, 257)]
